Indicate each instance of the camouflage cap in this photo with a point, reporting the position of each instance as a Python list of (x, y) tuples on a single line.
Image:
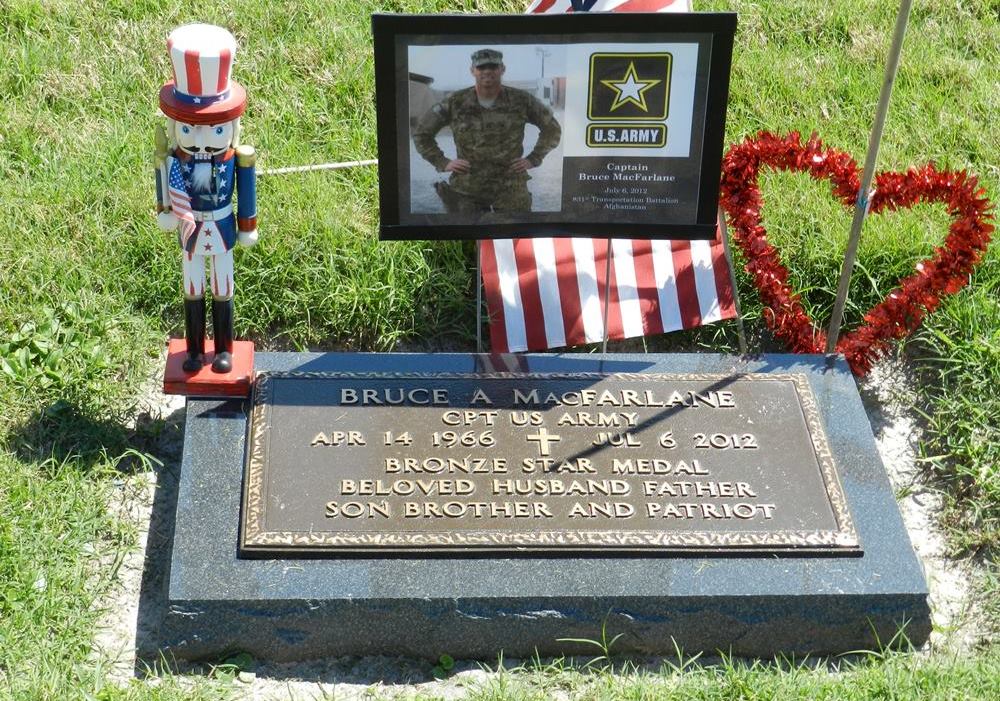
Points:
[(484, 56)]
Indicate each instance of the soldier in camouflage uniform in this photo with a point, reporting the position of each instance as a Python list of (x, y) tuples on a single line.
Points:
[(489, 172)]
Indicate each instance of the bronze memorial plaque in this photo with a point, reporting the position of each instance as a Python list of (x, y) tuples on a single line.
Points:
[(340, 463)]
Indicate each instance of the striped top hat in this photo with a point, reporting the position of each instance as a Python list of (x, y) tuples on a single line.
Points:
[(202, 91)]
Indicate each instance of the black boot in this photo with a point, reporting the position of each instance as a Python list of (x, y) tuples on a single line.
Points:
[(194, 333), (222, 327)]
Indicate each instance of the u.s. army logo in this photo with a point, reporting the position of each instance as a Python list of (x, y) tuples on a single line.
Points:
[(629, 99), (633, 87)]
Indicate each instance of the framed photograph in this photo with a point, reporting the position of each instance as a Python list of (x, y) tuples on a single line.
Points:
[(585, 124)]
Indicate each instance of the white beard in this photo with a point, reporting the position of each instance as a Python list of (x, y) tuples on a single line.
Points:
[(201, 177)]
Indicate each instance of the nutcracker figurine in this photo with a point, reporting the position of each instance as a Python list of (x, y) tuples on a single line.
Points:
[(200, 163)]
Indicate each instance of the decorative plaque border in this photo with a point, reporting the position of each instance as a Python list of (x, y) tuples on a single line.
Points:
[(254, 538)]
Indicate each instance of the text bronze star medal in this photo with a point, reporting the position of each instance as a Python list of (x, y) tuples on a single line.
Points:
[(342, 463)]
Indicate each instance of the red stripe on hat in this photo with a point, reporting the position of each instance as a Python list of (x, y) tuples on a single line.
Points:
[(569, 292), (723, 281), (225, 56), (687, 289), (531, 296), (494, 300), (615, 329), (193, 68), (645, 283)]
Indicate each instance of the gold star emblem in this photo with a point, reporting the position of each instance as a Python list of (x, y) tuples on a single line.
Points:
[(630, 89)]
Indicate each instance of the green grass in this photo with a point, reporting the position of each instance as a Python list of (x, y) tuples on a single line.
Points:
[(961, 370), (893, 676), (89, 287)]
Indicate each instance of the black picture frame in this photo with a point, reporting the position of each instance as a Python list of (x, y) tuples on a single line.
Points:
[(695, 215)]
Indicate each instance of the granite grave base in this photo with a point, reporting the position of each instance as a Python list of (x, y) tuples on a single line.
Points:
[(477, 605)]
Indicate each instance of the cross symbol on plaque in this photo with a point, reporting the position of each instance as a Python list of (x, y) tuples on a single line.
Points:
[(543, 437)]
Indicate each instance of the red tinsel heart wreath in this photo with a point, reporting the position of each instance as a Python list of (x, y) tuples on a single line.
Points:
[(902, 311)]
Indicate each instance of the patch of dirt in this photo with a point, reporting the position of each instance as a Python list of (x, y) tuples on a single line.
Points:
[(132, 501)]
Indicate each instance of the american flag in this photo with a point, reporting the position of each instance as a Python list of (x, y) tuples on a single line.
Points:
[(548, 293), (180, 201), (555, 6)]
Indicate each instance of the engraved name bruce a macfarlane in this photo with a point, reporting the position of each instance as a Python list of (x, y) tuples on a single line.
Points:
[(343, 462)]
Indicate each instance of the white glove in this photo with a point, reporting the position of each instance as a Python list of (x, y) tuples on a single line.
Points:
[(248, 238), (167, 220)]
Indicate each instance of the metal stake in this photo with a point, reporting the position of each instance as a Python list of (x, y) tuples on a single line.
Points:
[(607, 295), (479, 298), (741, 332), (861, 205)]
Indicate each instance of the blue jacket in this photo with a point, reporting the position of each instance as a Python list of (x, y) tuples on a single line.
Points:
[(226, 174)]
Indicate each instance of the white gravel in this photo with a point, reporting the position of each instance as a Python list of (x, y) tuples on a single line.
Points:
[(889, 399), (887, 394)]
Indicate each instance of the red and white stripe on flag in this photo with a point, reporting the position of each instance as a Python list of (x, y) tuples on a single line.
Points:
[(557, 6), (180, 201), (548, 293)]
